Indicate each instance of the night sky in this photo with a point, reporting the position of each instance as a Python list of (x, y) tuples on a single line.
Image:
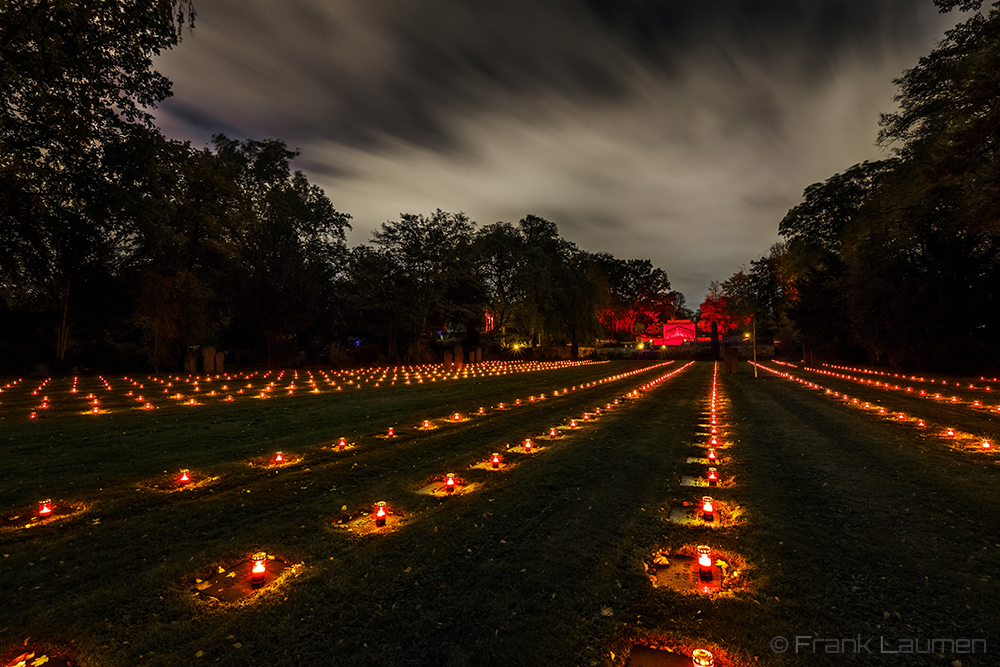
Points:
[(675, 131)]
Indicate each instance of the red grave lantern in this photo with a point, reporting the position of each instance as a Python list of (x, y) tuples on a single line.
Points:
[(702, 658), (449, 485), (278, 458), (391, 434), (456, 417), (44, 509), (258, 571), (705, 561), (185, 476), (527, 445), (342, 443), (707, 509), (380, 514), (495, 461), (713, 477), (552, 433), (711, 455)]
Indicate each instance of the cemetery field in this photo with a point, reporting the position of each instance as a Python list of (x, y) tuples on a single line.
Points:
[(837, 522)]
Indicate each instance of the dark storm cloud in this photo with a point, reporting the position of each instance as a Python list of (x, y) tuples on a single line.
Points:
[(676, 131)]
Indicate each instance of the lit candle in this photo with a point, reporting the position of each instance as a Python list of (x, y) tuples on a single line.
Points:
[(711, 455), (342, 443), (527, 444), (702, 658), (278, 458), (552, 433), (707, 508), (185, 477), (713, 478), (496, 461), (449, 485), (391, 434), (44, 508), (380, 514), (705, 561), (257, 572)]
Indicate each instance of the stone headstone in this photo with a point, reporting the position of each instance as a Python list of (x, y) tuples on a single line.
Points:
[(458, 357), (479, 354), (208, 359), (220, 357), (448, 357), (190, 363)]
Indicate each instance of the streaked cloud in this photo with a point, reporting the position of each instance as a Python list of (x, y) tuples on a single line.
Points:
[(679, 132)]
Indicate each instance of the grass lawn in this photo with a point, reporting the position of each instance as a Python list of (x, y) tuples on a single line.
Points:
[(848, 525)]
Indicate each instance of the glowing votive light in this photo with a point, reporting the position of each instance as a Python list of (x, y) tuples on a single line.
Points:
[(450, 484), (44, 508), (705, 561), (495, 461), (380, 514), (707, 508), (702, 658), (258, 571), (185, 476)]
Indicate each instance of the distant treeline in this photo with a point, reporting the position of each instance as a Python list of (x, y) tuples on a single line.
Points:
[(121, 249), (897, 262)]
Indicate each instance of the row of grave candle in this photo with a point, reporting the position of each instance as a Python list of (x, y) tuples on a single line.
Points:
[(947, 432), (978, 404), (96, 409)]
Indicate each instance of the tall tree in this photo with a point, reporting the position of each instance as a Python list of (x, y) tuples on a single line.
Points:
[(291, 245), (638, 295), (75, 83), (715, 309), (501, 258), (432, 270)]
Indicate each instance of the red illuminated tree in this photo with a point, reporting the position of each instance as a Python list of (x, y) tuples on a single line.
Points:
[(715, 308)]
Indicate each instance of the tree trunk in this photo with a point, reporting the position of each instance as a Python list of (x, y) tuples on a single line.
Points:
[(63, 335)]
